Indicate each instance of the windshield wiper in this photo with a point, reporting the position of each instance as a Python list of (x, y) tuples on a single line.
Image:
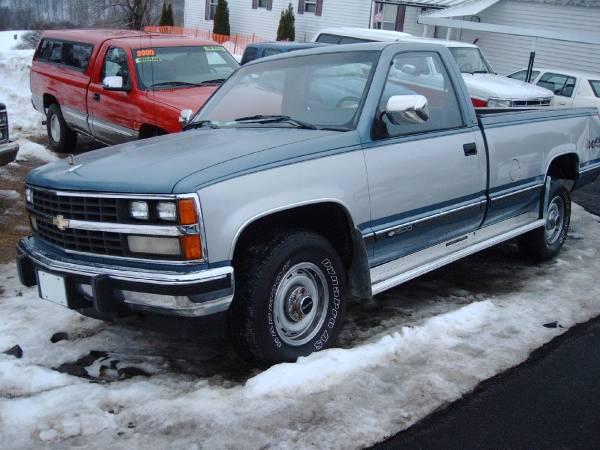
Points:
[(215, 81), (174, 83), (200, 124), (275, 118)]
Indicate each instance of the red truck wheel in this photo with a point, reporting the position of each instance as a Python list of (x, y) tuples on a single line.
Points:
[(62, 139)]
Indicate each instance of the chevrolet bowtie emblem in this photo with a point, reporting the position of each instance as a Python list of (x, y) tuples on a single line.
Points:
[(60, 222)]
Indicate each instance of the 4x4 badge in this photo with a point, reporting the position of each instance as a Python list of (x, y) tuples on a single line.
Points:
[(60, 222)]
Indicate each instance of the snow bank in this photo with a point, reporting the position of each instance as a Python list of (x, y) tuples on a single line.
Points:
[(28, 149), (23, 119), (8, 41), (340, 398)]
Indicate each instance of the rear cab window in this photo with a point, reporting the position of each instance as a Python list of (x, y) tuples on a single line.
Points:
[(249, 54), (74, 55), (421, 73)]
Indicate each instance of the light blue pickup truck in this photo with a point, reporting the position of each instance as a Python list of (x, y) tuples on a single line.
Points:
[(306, 179)]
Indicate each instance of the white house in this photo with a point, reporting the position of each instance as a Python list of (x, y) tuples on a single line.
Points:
[(507, 53), (261, 17)]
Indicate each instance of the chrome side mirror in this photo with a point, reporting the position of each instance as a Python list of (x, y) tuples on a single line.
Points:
[(185, 116), (407, 109), (114, 84)]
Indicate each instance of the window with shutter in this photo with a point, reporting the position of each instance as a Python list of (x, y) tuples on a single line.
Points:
[(300, 6), (319, 8), (262, 3), (310, 6)]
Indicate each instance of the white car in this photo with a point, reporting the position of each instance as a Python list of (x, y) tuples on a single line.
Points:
[(571, 88), (487, 89)]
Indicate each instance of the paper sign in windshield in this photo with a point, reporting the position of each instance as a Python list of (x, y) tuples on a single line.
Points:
[(146, 59), (145, 52), (214, 48)]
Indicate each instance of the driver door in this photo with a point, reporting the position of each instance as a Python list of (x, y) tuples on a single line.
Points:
[(113, 113), (427, 181)]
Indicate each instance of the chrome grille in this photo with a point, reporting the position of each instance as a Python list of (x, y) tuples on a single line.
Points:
[(48, 205), (93, 209), (99, 242), (531, 102)]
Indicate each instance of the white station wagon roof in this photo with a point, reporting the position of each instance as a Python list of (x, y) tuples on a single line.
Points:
[(386, 35), (573, 73)]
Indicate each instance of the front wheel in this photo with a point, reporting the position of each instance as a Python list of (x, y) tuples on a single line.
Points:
[(545, 243), (290, 298), (62, 139)]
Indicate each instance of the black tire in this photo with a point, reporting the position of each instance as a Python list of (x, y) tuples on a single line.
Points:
[(545, 243), (66, 140), (271, 275)]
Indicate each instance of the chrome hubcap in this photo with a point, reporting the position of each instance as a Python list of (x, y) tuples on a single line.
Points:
[(55, 128), (300, 304), (555, 219)]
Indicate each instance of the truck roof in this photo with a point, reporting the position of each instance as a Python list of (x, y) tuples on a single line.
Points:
[(128, 38)]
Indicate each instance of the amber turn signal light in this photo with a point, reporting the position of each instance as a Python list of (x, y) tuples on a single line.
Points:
[(187, 212), (191, 245)]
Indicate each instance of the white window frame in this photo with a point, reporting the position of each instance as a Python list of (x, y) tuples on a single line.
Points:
[(313, 4)]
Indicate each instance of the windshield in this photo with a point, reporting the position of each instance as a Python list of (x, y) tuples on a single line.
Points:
[(322, 91), (470, 60), (177, 67), (595, 87)]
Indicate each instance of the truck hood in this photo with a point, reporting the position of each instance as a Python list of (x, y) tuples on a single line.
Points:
[(489, 85), (186, 98), (156, 165)]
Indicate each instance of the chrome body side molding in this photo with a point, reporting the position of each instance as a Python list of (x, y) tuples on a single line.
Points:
[(396, 272)]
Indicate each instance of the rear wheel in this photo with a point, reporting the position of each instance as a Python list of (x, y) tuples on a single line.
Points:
[(62, 139), (545, 243), (289, 298)]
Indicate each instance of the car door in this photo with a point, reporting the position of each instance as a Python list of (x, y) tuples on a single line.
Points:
[(113, 113), (427, 181), (562, 85)]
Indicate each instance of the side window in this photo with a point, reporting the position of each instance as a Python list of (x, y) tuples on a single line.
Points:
[(351, 40), (44, 50), (249, 54), (559, 84), (81, 55), (328, 39), (56, 52), (271, 52), (115, 65), (421, 73)]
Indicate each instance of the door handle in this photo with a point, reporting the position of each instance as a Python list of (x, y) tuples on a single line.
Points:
[(96, 96), (470, 149)]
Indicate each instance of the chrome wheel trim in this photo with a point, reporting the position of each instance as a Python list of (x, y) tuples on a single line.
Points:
[(555, 220), (300, 304), (55, 128)]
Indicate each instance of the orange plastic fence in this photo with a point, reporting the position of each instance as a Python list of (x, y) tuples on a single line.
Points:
[(235, 43)]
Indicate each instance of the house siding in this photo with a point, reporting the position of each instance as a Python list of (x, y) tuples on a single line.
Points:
[(247, 21), (509, 53)]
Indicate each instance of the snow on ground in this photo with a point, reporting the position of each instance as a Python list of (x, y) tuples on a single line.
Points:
[(25, 123), (8, 41), (413, 350)]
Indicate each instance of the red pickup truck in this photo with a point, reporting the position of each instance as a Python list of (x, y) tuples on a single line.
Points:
[(117, 86)]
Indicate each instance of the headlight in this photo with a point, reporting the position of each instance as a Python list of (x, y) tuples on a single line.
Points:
[(28, 195), (138, 210), (3, 118), (154, 245), (495, 103), (167, 211)]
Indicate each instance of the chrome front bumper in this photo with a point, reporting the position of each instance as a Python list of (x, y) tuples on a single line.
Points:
[(114, 290), (8, 152)]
